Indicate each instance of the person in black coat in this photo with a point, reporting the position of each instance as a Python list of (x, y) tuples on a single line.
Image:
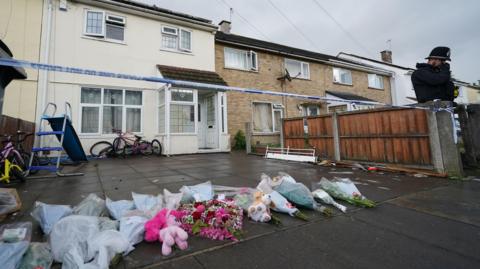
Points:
[(432, 80)]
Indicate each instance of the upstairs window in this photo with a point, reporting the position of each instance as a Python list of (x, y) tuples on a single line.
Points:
[(104, 26), (241, 59), (342, 76), (375, 81), (297, 69), (178, 39)]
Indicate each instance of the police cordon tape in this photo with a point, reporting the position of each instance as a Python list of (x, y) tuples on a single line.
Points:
[(188, 84)]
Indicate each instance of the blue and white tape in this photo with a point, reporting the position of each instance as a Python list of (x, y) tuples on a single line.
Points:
[(181, 83)]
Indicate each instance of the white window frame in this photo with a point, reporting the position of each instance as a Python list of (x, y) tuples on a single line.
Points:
[(306, 109), (251, 57), (193, 103), (105, 20), (178, 35), (164, 92), (303, 74), (223, 112), (180, 40), (274, 125), (380, 77), (339, 70), (101, 105), (85, 23), (273, 107)]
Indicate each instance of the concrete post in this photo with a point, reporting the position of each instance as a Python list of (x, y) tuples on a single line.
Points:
[(281, 135), (445, 155), (435, 150), (336, 137), (248, 137)]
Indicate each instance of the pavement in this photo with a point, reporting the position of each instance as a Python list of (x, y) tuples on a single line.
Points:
[(418, 223)]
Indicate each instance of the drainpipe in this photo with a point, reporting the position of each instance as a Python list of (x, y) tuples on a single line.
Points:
[(43, 76)]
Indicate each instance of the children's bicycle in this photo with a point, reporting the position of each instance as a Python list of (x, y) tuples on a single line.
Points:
[(11, 162), (128, 144)]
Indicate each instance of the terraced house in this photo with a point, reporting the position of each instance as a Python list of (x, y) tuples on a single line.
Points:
[(251, 63), (126, 37)]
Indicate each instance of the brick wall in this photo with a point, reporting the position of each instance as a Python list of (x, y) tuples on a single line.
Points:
[(270, 67)]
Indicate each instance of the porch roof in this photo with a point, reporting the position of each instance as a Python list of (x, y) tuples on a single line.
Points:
[(193, 75)]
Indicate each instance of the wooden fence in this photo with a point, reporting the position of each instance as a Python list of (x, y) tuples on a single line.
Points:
[(9, 125), (399, 136)]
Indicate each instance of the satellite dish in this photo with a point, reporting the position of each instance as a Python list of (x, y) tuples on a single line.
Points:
[(287, 75)]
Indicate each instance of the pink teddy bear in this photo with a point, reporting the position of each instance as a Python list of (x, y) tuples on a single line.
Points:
[(165, 229)]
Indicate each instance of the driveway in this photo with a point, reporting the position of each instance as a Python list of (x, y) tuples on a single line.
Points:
[(418, 223)]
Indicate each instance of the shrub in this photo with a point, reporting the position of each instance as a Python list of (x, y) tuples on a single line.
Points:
[(239, 140)]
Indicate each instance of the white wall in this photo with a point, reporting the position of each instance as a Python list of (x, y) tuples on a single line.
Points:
[(20, 28)]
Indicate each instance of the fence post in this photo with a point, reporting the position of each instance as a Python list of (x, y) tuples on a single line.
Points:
[(336, 137), (445, 155), (434, 138), (281, 134), (248, 137), (469, 117)]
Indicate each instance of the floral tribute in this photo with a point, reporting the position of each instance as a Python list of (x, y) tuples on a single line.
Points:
[(214, 219)]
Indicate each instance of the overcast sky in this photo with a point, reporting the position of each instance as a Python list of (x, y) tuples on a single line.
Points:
[(414, 27)]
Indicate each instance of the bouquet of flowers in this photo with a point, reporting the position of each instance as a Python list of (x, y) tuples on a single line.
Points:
[(327, 199), (280, 203), (214, 219), (345, 189), (295, 192)]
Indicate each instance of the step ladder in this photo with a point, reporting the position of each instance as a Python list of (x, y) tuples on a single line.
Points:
[(59, 149)]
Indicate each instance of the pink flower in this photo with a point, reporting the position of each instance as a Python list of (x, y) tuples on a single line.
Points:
[(200, 208)]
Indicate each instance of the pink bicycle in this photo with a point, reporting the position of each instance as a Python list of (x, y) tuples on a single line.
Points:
[(128, 144)]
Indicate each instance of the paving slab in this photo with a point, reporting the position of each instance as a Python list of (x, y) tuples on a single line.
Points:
[(426, 228), (459, 201)]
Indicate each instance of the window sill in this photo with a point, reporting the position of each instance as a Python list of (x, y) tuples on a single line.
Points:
[(265, 134), (239, 69), (183, 134), (343, 84), (103, 136), (378, 89), (177, 51), (105, 40), (302, 78)]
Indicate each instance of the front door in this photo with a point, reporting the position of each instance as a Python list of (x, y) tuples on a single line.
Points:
[(207, 119)]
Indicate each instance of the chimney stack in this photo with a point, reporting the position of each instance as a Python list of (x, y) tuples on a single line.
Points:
[(386, 56), (225, 26)]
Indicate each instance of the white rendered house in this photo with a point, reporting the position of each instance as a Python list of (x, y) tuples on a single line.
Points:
[(131, 38)]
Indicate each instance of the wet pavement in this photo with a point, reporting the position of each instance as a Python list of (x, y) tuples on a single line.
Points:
[(418, 223)]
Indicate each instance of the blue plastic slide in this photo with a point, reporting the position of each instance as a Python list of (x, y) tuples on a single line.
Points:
[(71, 142)]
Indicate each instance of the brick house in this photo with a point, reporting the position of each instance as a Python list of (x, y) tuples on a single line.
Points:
[(247, 62)]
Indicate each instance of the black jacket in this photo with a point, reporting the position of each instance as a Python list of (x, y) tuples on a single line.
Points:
[(432, 83)]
